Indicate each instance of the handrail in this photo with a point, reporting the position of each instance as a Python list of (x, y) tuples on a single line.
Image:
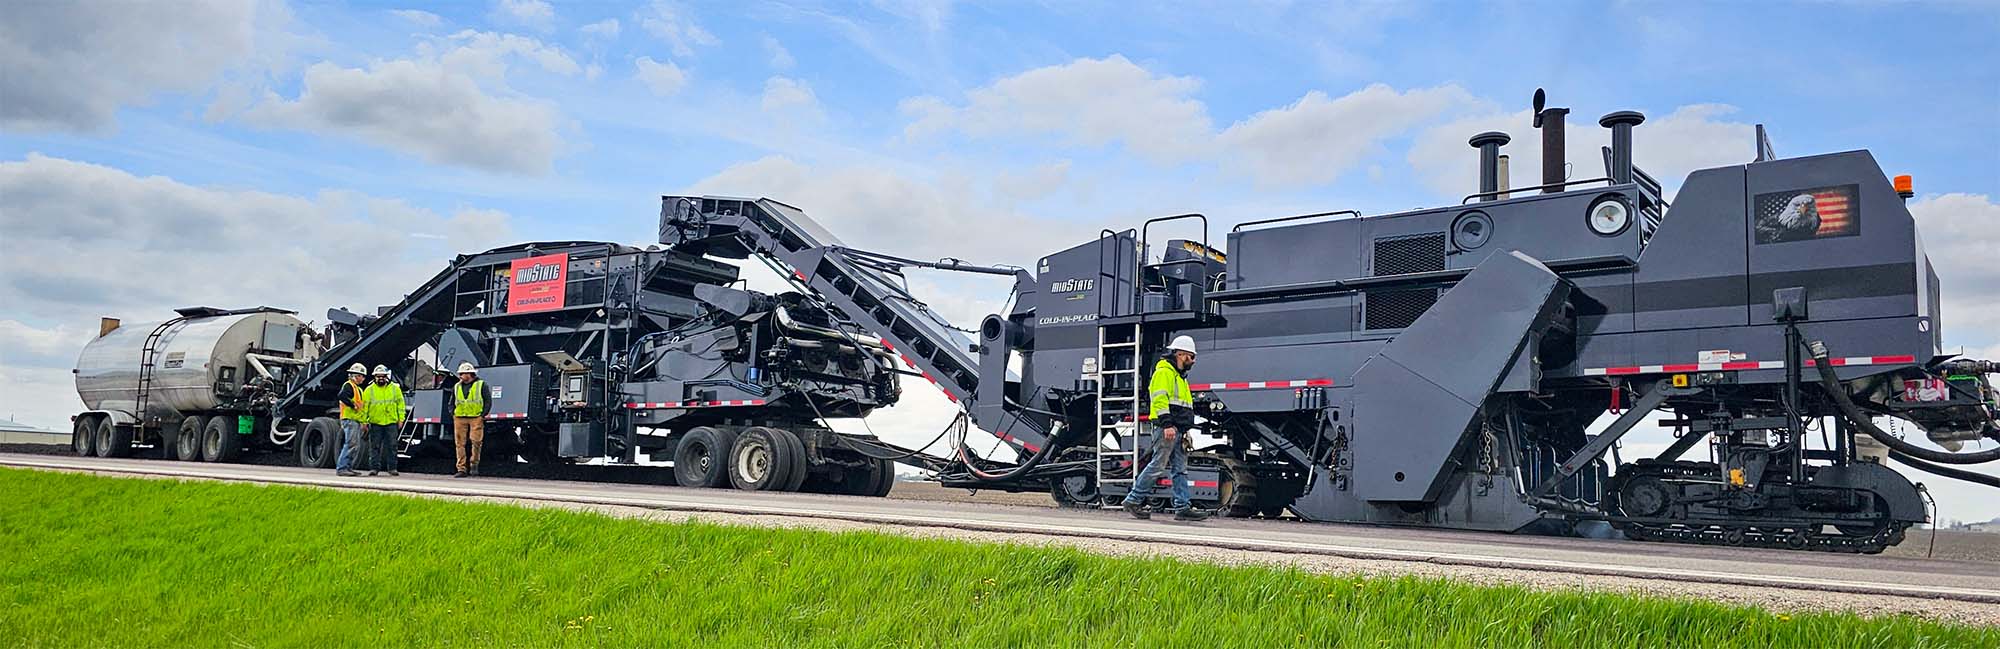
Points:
[(1239, 227), (1145, 243), (1468, 199)]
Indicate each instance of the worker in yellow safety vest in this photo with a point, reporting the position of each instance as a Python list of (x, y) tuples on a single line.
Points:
[(385, 411), (1172, 414), (353, 419), (469, 405)]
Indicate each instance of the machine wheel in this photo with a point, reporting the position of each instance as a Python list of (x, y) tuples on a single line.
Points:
[(760, 460), (187, 443), (112, 440), (1644, 497), (83, 436), (800, 468), (885, 478), (702, 458), (1075, 491), (319, 443), (219, 441)]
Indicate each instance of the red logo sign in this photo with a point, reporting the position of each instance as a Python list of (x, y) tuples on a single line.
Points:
[(538, 283)]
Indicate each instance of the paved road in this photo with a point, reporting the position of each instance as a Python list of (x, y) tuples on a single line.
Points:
[(1952, 580)]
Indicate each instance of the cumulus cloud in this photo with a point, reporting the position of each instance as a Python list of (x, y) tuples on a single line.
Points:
[(90, 241), (1692, 137), (788, 95), (449, 105), (1961, 234), (606, 29), (1098, 102), (1010, 187), (1090, 102), (663, 78), (668, 22), (532, 13), (779, 57), (1317, 138), (418, 17), (69, 66)]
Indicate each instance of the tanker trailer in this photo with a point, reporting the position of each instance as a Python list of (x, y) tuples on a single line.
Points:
[(195, 387)]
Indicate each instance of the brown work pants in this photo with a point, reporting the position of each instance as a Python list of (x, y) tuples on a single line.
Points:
[(464, 430)]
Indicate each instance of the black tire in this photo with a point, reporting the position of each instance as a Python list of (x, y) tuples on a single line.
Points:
[(801, 470), (760, 460), (187, 442), (1075, 492), (219, 441), (319, 443), (83, 436), (885, 478), (702, 458), (106, 441)]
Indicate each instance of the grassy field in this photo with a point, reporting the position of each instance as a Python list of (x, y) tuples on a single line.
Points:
[(95, 561)]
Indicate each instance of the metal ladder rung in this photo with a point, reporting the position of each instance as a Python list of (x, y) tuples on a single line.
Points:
[(1118, 371), (1118, 345)]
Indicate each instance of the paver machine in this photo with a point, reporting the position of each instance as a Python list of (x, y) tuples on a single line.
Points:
[(1445, 367)]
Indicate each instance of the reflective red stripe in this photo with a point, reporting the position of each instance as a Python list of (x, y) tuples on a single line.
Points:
[(1681, 368), (1261, 385)]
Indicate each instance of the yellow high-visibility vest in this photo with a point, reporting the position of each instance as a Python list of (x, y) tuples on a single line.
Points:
[(469, 405)]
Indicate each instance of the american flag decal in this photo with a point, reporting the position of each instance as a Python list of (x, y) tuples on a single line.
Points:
[(1806, 214)]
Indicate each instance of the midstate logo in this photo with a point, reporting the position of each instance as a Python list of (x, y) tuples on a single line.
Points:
[(538, 283)]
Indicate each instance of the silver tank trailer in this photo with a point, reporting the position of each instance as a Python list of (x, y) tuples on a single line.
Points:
[(192, 357)]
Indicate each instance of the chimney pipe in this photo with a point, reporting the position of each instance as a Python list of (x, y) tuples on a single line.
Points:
[(1489, 144), (1505, 183), (1554, 167), (1621, 124)]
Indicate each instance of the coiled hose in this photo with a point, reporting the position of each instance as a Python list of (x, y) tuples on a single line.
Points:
[(1831, 382)]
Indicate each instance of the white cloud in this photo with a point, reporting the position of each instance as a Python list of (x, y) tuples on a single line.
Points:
[(532, 13), (665, 21), (1317, 138), (606, 29), (784, 94), (663, 78), (1692, 137), (1091, 102), (780, 58), (418, 17), (1010, 187), (450, 105), (69, 66), (154, 244), (1961, 234)]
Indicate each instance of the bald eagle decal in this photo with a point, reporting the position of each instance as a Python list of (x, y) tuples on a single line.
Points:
[(1807, 214)]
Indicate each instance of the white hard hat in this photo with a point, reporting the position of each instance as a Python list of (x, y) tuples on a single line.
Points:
[(1181, 344), (357, 368), (467, 368), (381, 370)]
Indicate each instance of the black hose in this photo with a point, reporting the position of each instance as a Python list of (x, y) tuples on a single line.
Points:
[(1960, 474), (1862, 420)]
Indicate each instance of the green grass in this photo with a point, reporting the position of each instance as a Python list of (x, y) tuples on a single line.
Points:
[(89, 561)]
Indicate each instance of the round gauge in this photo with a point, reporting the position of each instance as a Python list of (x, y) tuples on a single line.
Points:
[(1472, 230), (1609, 216)]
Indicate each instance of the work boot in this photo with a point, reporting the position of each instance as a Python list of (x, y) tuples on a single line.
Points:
[(372, 474), (475, 469), (1137, 510), (460, 474), (345, 474), (1191, 514), (393, 473)]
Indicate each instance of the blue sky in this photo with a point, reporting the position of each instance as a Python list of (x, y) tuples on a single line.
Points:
[(273, 144)]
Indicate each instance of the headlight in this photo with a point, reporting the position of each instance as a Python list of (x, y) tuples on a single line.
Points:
[(1609, 216)]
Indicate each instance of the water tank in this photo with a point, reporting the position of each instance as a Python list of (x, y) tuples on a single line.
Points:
[(196, 357)]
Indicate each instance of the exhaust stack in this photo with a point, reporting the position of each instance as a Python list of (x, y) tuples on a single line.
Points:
[(1550, 121), (1621, 124), (1489, 144)]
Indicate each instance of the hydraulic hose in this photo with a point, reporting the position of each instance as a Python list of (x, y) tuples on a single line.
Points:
[(1862, 420), (1959, 474)]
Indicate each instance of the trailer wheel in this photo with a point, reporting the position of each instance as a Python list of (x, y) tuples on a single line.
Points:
[(113, 440), (187, 443), (319, 443), (702, 458), (760, 460), (83, 436), (800, 470), (219, 441)]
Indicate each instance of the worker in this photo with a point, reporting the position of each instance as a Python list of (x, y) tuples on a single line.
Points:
[(353, 419), (385, 410), (1172, 415), (469, 406)]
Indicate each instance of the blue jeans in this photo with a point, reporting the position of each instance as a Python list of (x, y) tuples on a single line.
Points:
[(1169, 457), (350, 445), (382, 446)]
